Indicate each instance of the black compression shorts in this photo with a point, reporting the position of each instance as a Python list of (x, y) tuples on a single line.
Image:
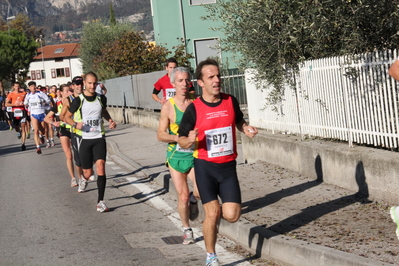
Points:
[(76, 140), (215, 179), (92, 150), (65, 132)]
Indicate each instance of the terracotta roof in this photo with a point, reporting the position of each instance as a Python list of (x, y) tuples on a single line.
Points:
[(56, 51)]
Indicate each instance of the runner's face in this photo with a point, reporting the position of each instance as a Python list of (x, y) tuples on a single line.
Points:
[(90, 83), (210, 82), (182, 82), (32, 88), (66, 91), (16, 87), (170, 67), (77, 88)]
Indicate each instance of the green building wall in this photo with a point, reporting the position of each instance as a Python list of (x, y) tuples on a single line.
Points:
[(176, 21)]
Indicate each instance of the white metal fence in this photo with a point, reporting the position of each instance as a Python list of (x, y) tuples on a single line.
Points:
[(343, 98)]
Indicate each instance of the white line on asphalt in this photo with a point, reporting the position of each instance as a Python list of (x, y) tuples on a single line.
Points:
[(223, 255)]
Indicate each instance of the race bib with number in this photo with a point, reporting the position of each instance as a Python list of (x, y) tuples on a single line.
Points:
[(189, 150), (92, 125), (219, 142), (18, 113), (9, 109), (170, 93)]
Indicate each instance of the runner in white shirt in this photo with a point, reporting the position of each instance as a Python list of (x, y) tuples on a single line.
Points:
[(35, 101)]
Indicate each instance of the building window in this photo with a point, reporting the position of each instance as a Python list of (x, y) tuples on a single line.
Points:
[(43, 74), (200, 2), (60, 72), (59, 50), (206, 48), (53, 73), (33, 74), (38, 74)]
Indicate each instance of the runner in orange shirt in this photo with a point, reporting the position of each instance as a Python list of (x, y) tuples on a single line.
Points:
[(15, 100)]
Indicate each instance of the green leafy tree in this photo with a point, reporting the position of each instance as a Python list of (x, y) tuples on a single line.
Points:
[(275, 36), (130, 54), (96, 35), (182, 57), (16, 54)]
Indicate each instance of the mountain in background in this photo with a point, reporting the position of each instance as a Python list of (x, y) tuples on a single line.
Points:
[(62, 20)]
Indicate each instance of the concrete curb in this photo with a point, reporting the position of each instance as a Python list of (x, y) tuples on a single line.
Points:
[(262, 241)]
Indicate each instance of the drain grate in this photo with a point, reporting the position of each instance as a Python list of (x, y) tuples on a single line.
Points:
[(120, 180), (173, 240)]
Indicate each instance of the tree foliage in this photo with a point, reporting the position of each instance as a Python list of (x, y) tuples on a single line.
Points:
[(23, 24), (16, 53), (275, 36), (96, 35), (131, 54)]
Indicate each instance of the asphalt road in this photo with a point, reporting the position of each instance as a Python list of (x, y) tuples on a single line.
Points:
[(43, 221)]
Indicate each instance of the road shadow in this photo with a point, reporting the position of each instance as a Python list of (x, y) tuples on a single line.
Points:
[(314, 212), (274, 197)]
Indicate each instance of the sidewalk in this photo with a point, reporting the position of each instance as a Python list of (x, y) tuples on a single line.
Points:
[(285, 217)]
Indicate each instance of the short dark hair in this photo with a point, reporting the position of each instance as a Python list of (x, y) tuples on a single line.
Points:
[(90, 74), (171, 60), (207, 62), (16, 82), (31, 83)]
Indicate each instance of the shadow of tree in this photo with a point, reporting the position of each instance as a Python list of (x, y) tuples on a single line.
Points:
[(314, 212)]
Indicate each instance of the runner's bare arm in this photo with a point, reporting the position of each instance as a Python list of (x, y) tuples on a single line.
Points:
[(187, 142), (163, 126), (65, 106), (49, 119)]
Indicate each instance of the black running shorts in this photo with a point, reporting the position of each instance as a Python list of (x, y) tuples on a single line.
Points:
[(217, 179), (92, 150)]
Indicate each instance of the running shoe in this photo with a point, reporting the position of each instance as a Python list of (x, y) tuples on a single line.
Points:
[(73, 182), (23, 147), (52, 143), (10, 127), (188, 237), (92, 178), (194, 212), (18, 135), (212, 261), (48, 144), (395, 217), (82, 185), (28, 135), (39, 151), (101, 207), (41, 139)]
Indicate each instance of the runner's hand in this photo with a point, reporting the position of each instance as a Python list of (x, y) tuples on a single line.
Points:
[(250, 131), (192, 135), (112, 124)]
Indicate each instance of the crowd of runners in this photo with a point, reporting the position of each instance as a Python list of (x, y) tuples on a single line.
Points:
[(200, 132), (72, 114)]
